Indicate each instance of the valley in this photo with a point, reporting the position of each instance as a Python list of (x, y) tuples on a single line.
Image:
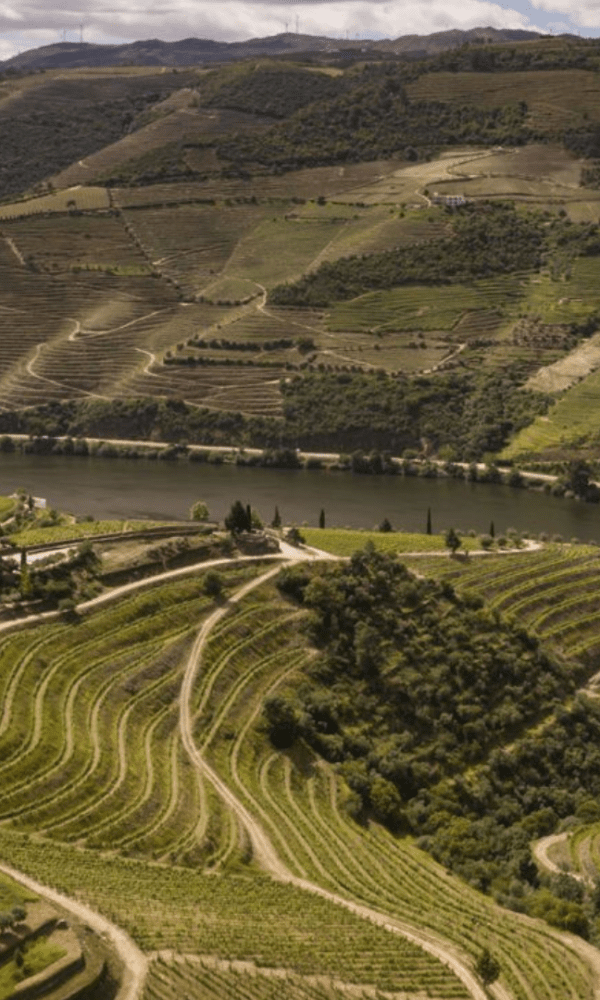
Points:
[(299, 761)]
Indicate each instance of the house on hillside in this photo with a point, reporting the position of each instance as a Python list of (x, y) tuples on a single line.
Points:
[(451, 200)]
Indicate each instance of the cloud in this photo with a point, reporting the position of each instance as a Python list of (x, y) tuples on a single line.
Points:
[(128, 20), (583, 13)]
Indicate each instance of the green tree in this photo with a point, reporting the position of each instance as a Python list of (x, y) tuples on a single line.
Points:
[(322, 518), (199, 511), (453, 542), (492, 531), (385, 525), (276, 522), (578, 478), (487, 967), (428, 520), (212, 584), (294, 536), (238, 519), (282, 721), (25, 584)]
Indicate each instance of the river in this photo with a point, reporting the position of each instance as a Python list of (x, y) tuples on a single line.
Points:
[(129, 488)]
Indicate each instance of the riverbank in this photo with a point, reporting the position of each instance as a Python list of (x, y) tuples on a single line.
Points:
[(361, 463)]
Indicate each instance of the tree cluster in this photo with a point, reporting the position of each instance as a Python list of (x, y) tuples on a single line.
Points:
[(472, 413), (373, 120), (445, 722), (39, 143), (489, 238), (274, 91)]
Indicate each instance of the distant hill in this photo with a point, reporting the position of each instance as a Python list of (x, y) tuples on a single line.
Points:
[(196, 51)]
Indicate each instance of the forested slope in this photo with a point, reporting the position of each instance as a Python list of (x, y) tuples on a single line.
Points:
[(447, 723)]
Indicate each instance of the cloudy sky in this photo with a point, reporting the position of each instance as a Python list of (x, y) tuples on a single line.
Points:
[(26, 24)]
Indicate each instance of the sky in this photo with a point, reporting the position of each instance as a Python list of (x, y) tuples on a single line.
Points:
[(26, 24)]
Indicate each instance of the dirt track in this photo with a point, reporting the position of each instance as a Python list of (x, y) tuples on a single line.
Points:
[(263, 850), (134, 961)]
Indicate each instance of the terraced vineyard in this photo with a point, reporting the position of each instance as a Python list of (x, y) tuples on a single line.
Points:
[(70, 243), (92, 761), (112, 772), (192, 242), (315, 837), (555, 101), (577, 851), (205, 980), (552, 593), (92, 756), (404, 308)]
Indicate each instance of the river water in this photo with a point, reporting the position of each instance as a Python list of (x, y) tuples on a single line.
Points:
[(128, 488)]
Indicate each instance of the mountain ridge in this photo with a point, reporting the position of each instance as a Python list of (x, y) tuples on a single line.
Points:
[(196, 51)]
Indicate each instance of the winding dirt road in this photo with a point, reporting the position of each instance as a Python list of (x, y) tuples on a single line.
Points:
[(263, 850), (134, 961)]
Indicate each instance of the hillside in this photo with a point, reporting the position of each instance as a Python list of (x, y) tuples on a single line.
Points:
[(251, 238), (160, 761)]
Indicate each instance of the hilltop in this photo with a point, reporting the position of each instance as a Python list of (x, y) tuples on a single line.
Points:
[(198, 51)]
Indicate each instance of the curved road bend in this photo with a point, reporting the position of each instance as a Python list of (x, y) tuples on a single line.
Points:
[(263, 849), (134, 961)]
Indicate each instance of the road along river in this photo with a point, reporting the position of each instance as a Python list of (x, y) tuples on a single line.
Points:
[(128, 488)]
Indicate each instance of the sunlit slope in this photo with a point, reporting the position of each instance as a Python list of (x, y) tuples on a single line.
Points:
[(91, 755), (552, 593), (569, 428), (554, 99)]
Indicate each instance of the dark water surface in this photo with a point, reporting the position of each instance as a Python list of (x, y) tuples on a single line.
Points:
[(126, 488)]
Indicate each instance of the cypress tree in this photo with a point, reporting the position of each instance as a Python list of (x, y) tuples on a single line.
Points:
[(492, 530), (322, 518), (276, 522), (429, 520)]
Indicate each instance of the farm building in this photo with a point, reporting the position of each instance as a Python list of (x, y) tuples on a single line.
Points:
[(452, 200)]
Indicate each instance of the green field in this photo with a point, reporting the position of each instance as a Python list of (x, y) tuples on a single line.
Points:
[(38, 955), (77, 532), (570, 426), (343, 542), (7, 507), (424, 308)]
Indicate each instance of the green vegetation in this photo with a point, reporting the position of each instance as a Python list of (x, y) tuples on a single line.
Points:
[(32, 958), (277, 90), (307, 808), (7, 507), (203, 978), (13, 895), (470, 414), (421, 307), (474, 805), (109, 680), (570, 427), (41, 535), (491, 238), (235, 917), (549, 592), (373, 120), (57, 138), (341, 542)]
